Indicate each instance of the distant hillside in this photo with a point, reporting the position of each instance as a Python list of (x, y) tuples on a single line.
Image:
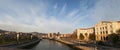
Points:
[(2, 30)]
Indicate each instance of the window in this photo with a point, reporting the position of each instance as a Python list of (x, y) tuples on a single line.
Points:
[(106, 32), (104, 38), (106, 28), (100, 28), (103, 28), (101, 32)]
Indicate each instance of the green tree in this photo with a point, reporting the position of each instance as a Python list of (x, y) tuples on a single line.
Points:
[(114, 38), (92, 36), (81, 36), (86, 34), (1, 39)]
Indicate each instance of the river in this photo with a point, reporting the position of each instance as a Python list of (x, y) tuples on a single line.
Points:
[(51, 45)]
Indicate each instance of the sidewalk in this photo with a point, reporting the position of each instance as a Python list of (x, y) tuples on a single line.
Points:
[(76, 46), (85, 46)]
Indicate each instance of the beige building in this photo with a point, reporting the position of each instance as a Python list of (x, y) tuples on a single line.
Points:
[(104, 28), (85, 31), (116, 26)]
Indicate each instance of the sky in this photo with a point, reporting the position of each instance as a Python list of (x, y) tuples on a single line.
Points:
[(56, 15)]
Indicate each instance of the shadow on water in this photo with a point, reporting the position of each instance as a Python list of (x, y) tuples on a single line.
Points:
[(30, 46)]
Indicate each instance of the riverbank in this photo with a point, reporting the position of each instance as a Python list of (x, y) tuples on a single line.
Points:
[(75, 46), (7, 48), (22, 45), (81, 46), (27, 45)]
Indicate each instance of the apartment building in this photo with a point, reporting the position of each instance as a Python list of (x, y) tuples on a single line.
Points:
[(85, 31), (104, 28), (116, 26)]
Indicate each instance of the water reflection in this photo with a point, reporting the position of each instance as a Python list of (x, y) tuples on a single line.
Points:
[(51, 45)]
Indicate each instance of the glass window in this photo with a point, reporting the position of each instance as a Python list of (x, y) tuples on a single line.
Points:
[(101, 32), (106, 32)]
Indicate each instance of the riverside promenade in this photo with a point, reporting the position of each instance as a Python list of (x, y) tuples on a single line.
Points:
[(86, 46), (76, 46)]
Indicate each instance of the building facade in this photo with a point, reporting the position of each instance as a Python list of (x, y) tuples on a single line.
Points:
[(85, 32), (104, 28)]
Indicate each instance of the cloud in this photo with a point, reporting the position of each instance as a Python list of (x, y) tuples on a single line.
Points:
[(107, 10), (28, 18), (63, 9), (72, 13), (36, 16), (55, 6)]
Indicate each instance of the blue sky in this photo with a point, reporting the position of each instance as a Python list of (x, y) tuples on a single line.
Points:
[(56, 15)]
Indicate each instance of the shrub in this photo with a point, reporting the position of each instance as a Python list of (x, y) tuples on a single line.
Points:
[(114, 38)]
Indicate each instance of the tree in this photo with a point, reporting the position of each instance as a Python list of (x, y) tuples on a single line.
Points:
[(118, 31), (1, 39), (86, 34), (92, 36), (74, 36), (81, 36), (114, 38)]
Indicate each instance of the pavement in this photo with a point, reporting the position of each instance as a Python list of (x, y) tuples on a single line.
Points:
[(86, 46)]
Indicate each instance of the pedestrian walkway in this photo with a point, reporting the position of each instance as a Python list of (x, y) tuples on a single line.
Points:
[(89, 46)]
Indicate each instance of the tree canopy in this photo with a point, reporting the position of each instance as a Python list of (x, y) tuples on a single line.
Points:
[(92, 36), (114, 38), (81, 36)]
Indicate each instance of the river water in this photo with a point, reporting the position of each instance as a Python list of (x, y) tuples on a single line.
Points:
[(51, 45)]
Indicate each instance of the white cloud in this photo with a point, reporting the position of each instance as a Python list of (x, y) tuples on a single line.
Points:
[(55, 6), (73, 14), (32, 18), (107, 10), (27, 17), (63, 9)]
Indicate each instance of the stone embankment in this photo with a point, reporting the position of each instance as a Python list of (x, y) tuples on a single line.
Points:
[(75, 46), (86, 46)]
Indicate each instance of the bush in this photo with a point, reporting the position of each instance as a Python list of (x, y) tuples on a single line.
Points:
[(92, 36), (81, 37), (114, 38), (118, 31)]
